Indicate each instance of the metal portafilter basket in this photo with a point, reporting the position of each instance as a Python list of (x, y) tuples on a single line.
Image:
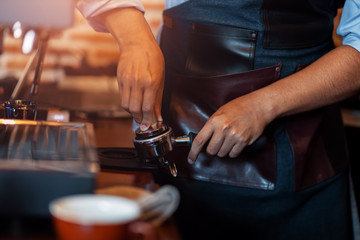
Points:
[(20, 109), (157, 141)]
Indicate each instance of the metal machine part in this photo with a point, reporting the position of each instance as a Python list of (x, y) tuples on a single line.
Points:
[(157, 141), (39, 64), (40, 161), (35, 63), (33, 145), (34, 21), (20, 109)]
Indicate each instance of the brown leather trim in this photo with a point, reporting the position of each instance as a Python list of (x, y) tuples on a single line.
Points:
[(311, 162), (301, 66)]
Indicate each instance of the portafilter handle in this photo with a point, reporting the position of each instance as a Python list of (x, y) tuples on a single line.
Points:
[(185, 140)]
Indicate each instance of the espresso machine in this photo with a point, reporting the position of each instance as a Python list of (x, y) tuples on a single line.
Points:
[(40, 160), (34, 22)]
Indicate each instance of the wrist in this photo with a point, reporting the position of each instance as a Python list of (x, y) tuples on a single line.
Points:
[(267, 105), (128, 26)]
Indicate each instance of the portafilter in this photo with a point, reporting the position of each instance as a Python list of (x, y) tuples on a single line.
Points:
[(157, 141)]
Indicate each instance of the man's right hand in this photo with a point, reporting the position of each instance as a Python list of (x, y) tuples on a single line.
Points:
[(140, 71)]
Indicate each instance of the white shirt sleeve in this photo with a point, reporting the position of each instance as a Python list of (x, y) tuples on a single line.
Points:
[(349, 26), (92, 8)]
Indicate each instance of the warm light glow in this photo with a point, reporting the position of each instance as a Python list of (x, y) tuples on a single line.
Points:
[(5, 121), (17, 30), (17, 121), (58, 117), (28, 42)]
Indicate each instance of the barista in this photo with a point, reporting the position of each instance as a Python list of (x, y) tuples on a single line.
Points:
[(259, 82)]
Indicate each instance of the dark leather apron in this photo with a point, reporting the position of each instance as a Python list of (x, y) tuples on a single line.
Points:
[(213, 53), (218, 67)]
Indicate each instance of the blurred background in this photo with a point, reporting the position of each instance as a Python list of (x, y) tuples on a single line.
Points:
[(79, 69)]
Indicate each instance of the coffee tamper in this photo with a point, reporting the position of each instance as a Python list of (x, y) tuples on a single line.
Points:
[(157, 141)]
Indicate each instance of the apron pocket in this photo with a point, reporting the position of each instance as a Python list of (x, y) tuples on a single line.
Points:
[(194, 100), (215, 50)]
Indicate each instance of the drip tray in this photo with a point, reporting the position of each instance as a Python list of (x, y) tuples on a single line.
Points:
[(123, 159)]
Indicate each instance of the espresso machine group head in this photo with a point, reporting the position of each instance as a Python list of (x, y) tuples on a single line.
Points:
[(33, 21)]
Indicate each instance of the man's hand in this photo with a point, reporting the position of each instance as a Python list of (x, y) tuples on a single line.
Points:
[(230, 129), (140, 70), (140, 76)]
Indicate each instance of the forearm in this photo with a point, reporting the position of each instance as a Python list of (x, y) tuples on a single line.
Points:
[(128, 26), (330, 79)]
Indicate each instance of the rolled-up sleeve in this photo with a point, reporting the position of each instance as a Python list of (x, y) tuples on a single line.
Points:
[(349, 26), (90, 9)]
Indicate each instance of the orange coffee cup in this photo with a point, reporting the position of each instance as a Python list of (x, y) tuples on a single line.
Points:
[(98, 217)]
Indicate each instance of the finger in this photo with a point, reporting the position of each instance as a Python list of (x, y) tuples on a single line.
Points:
[(125, 97), (158, 116), (135, 104), (226, 147), (125, 101), (148, 108), (124, 89), (236, 150), (215, 143), (202, 137), (158, 104)]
